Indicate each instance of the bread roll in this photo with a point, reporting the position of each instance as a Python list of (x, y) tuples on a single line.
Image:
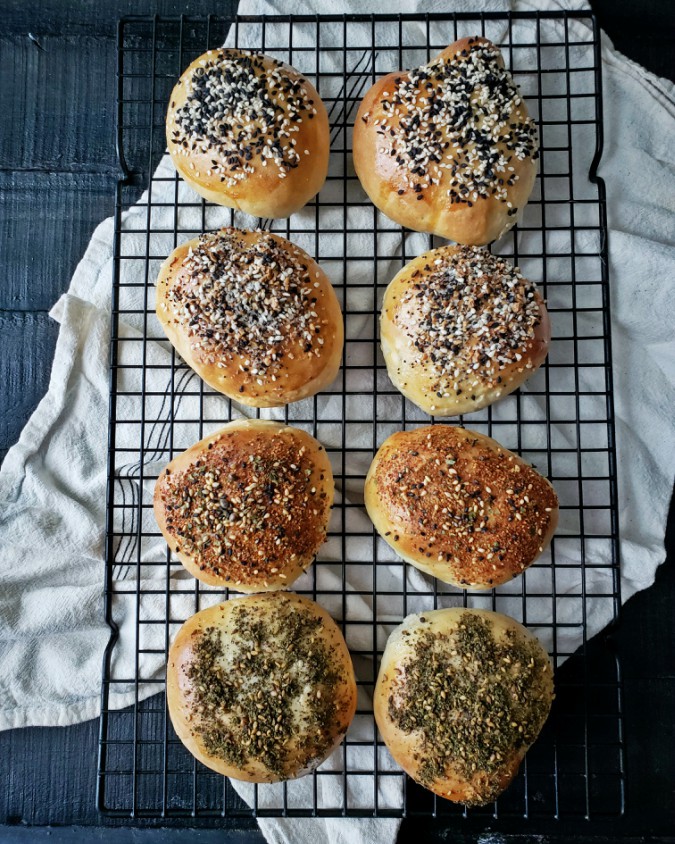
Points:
[(253, 315), (448, 148), (459, 506), (460, 697), (261, 688), (246, 131), (461, 328), (248, 507)]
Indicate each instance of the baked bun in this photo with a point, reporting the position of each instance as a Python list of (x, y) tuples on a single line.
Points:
[(261, 688), (246, 131), (460, 328), (459, 506), (248, 507), (460, 697), (253, 315), (448, 148)]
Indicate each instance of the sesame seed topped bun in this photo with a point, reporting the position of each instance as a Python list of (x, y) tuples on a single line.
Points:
[(459, 506), (253, 315), (448, 148), (461, 328), (249, 132), (247, 507)]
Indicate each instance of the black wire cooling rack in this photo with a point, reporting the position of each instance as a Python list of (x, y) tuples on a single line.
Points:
[(562, 421)]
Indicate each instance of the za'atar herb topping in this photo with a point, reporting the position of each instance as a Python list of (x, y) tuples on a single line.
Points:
[(266, 691), (475, 699)]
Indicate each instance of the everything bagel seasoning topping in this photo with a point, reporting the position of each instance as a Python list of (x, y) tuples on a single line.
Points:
[(467, 315), (239, 109), (474, 698), (251, 696), (254, 303), (457, 500), (249, 508), (462, 116)]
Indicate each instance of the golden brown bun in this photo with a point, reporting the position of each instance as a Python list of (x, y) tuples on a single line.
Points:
[(261, 688), (390, 183), (459, 506), (258, 184), (248, 507), (445, 383), (297, 349), (460, 697)]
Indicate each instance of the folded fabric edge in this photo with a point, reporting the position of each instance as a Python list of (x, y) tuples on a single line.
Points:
[(49, 407)]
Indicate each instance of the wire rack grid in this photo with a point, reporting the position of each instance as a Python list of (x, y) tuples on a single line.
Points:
[(562, 421)]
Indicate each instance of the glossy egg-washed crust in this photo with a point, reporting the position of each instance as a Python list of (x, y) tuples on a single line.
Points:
[(287, 679), (459, 506), (303, 375), (385, 182), (262, 193), (416, 377), (277, 484), (464, 744)]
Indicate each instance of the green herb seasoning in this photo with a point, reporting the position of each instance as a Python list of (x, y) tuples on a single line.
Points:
[(474, 699), (266, 691)]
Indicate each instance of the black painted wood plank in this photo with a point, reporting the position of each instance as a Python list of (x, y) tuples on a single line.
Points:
[(70, 207), (47, 782), (48, 776), (58, 104), (644, 31), (651, 780), (108, 835), (93, 16), (647, 634)]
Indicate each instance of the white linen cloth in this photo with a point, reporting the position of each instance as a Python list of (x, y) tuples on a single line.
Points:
[(53, 481)]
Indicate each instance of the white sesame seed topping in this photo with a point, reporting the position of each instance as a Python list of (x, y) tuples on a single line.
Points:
[(468, 312), (248, 302), (239, 109), (460, 114)]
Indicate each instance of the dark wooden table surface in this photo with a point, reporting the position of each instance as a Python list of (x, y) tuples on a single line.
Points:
[(57, 175)]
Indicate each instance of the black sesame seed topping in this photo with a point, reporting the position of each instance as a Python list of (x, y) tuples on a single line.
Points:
[(239, 108), (464, 115), (257, 513)]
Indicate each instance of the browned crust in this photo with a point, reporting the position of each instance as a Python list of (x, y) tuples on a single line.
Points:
[(179, 685), (382, 178), (415, 378), (296, 378), (262, 193), (406, 749), (493, 482), (254, 562)]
